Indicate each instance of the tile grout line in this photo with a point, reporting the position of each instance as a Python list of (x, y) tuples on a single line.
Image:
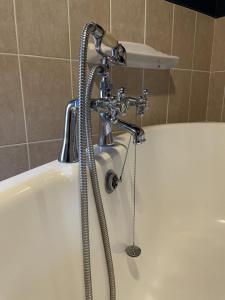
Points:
[(143, 71), (44, 57), (189, 100), (192, 70), (21, 84), (194, 46), (12, 145), (143, 82), (76, 60), (172, 33), (36, 56), (207, 104), (110, 16), (8, 53), (192, 66), (168, 98), (210, 74), (70, 48), (169, 83), (221, 117), (30, 143), (214, 25), (145, 22), (46, 141)]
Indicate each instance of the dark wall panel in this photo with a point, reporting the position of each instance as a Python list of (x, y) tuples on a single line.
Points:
[(214, 8), (220, 9)]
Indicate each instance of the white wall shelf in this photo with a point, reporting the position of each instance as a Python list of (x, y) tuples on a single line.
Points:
[(139, 56)]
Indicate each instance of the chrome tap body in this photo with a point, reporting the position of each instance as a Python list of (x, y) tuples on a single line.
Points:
[(110, 107), (137, 132), (77, 141)]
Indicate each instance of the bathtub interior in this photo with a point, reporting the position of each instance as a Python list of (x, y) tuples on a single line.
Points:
[(180, 222)]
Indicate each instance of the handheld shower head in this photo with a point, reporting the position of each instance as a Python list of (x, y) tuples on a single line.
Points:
[(118, 54)]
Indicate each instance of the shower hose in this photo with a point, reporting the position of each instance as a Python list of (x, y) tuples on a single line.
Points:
[(85, 142)]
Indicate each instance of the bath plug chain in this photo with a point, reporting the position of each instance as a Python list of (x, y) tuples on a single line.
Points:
[(133, 250), (134, 208), (125, 159)]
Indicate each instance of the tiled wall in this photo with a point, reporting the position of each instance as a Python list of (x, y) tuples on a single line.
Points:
[(39, 42), (216, 111)]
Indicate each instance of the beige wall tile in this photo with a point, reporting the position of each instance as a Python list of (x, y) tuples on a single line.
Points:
[(129, 78), (44, 152), (183, 35), (95, 122), (223, 109), (75, 75), (203, 42), (128, 20), (159, 20), (179, 96), (216, 96), (43, 27), (218, 59), (157, 82), (199, 96), (13, 160), (7, 27), (85, 11), (47, 89), (12, 128)]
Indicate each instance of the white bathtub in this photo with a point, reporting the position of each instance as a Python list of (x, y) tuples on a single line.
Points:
[(180, 224)]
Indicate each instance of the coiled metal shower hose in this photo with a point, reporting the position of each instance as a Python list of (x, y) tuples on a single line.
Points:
[(85, 140), (96, 188)]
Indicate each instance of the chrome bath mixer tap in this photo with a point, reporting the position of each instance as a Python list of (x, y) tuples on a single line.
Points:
[(77, 141), (110, 107)]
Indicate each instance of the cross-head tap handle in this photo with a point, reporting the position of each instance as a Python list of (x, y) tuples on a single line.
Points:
[(122, 101), (145, 94), (121, 93)]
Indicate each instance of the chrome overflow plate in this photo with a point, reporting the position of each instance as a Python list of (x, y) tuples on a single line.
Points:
[(111, 181)]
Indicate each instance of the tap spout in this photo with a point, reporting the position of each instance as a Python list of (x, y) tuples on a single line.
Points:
[(137, 132), (69, 152)]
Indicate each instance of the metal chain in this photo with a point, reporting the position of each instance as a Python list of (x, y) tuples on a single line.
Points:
[(133, 250), (134, 184), (134, 191), (125, 159)]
